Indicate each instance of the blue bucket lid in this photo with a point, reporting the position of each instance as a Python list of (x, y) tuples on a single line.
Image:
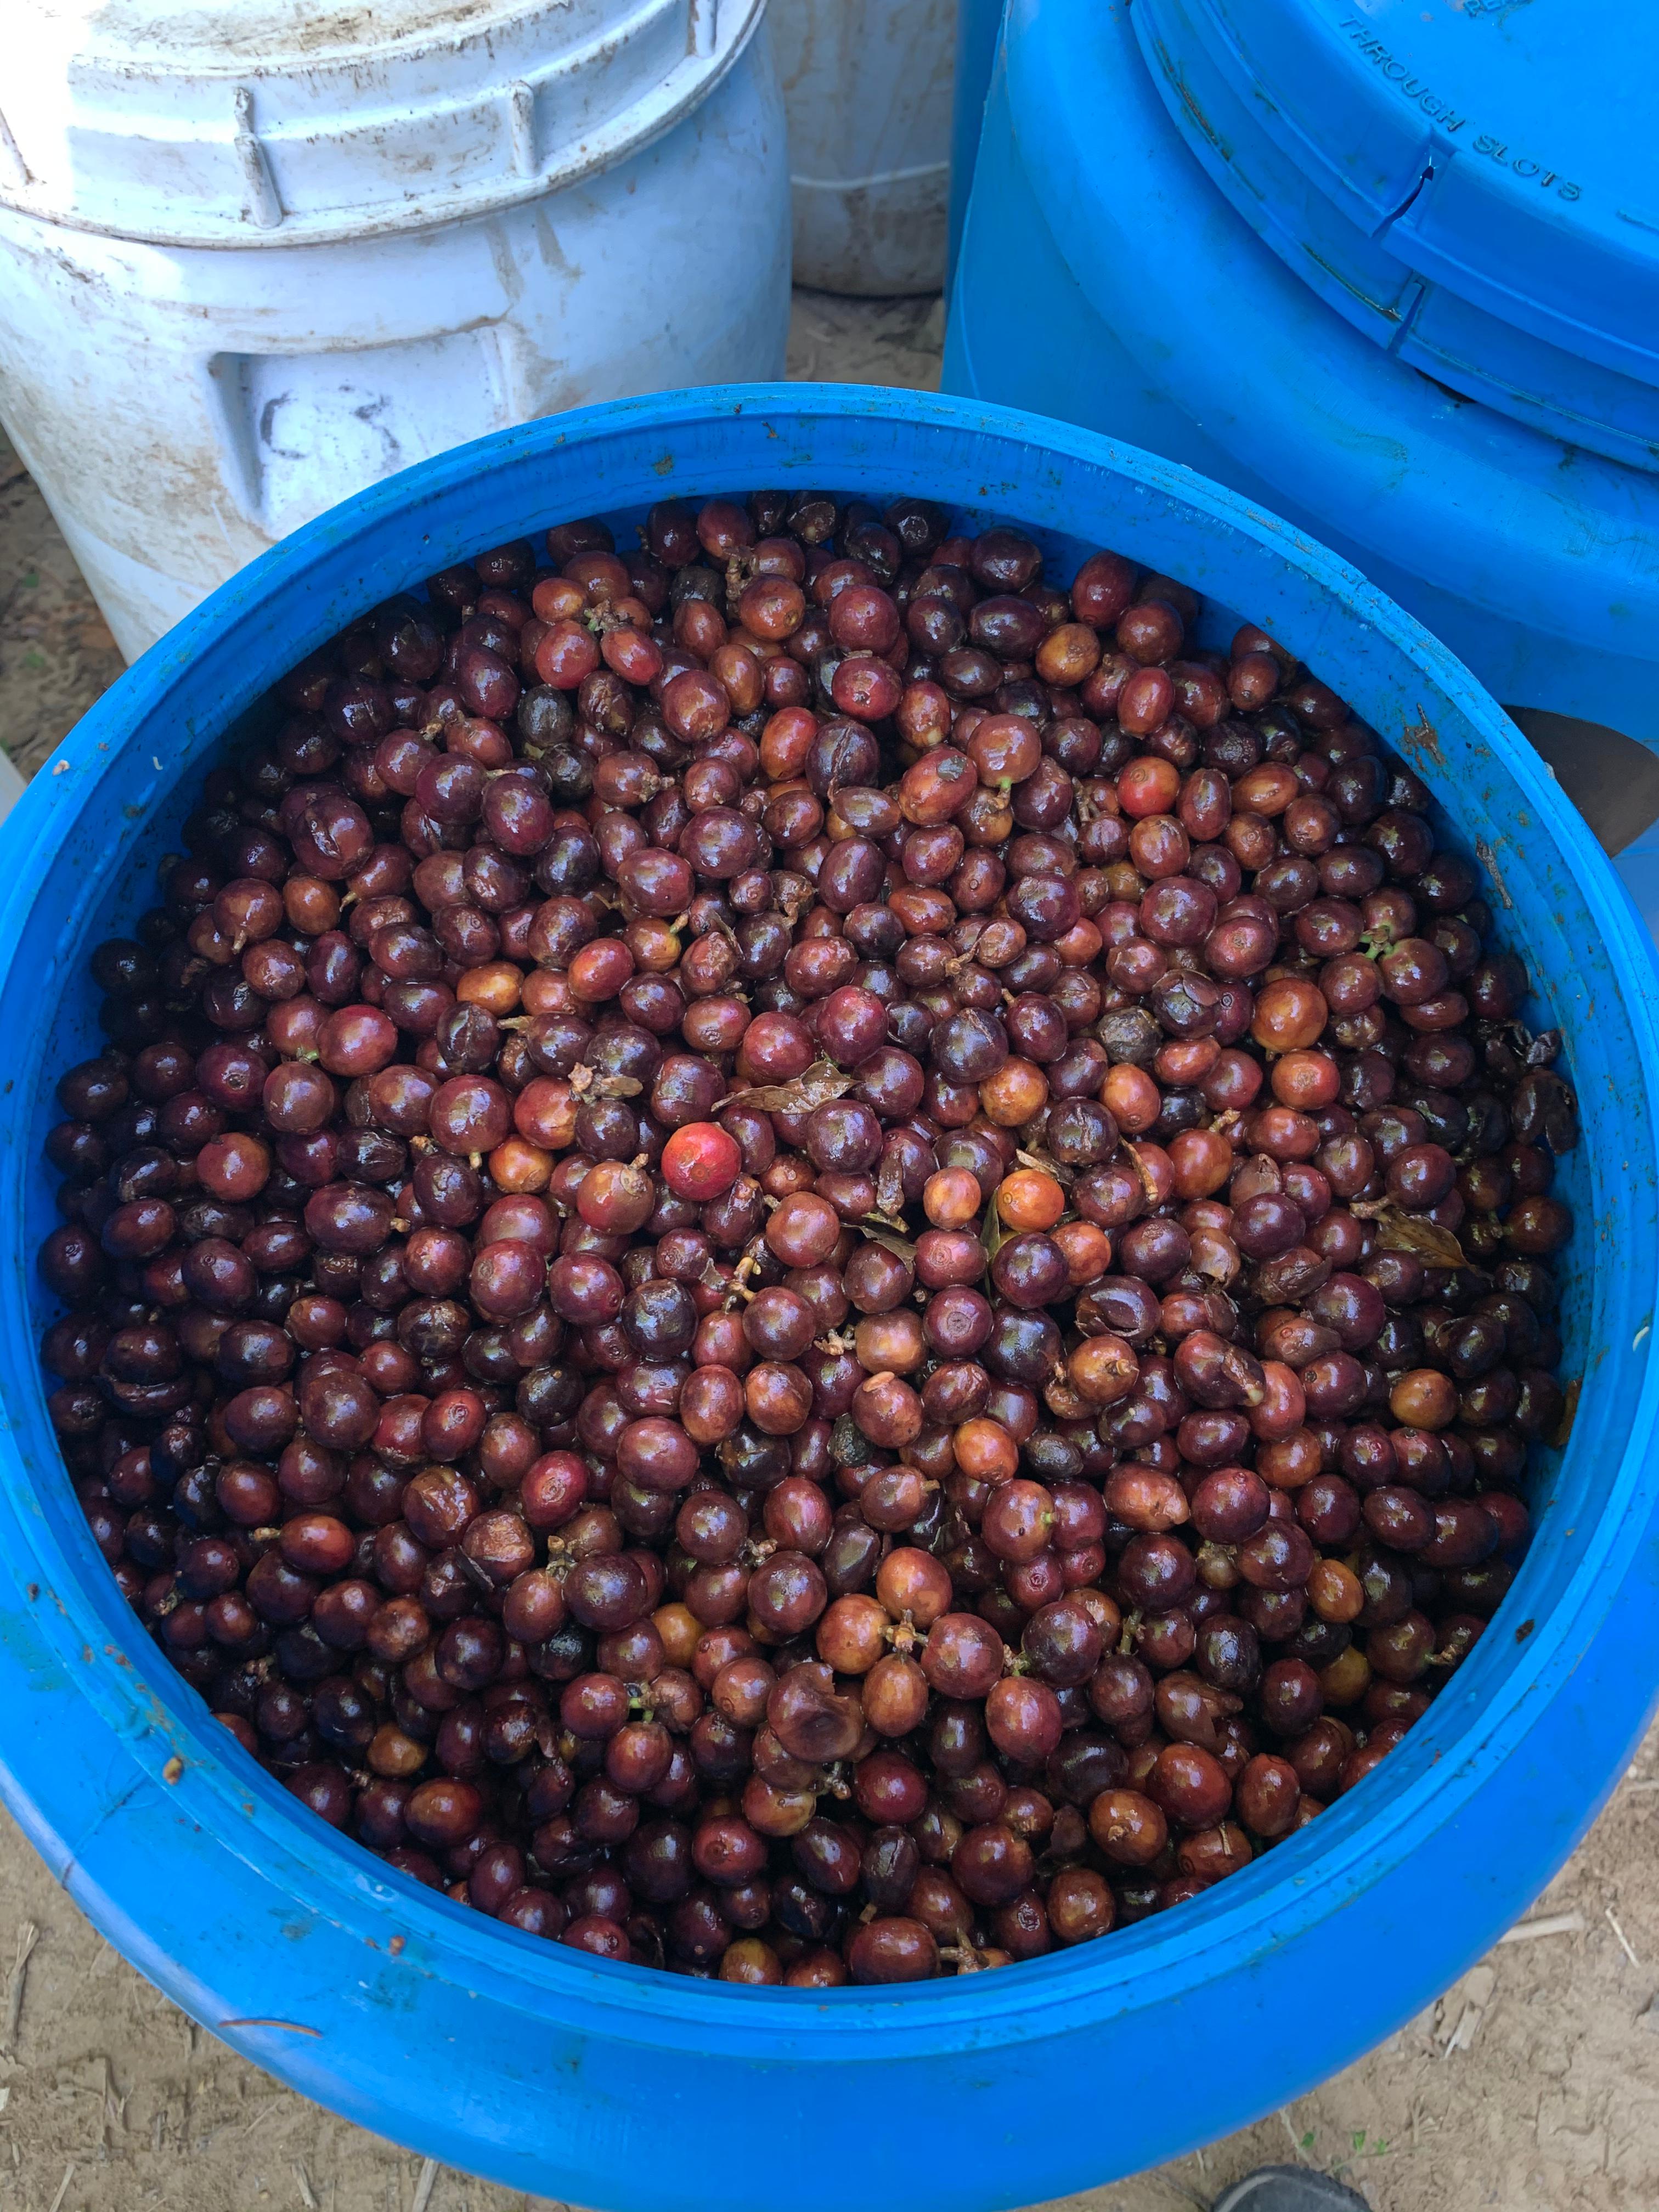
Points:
[(1503, 150)]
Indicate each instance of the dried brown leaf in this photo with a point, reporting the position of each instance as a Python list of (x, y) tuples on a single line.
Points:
[(993, 1235), (822, 1082), (901, 1247), (585, 1084), (1046, 1165), (1424, 1240), (889, 1183)]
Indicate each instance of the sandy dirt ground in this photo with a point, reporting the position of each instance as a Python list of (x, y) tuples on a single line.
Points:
[(1533, 2086), (55, 651)]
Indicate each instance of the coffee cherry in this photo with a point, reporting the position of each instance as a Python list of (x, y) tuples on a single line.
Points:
[(798, 1258)]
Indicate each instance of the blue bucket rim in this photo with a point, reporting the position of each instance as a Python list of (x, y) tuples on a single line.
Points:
[(218, 1786)]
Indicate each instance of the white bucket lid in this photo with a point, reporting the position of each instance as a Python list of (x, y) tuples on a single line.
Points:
[(283, 122)]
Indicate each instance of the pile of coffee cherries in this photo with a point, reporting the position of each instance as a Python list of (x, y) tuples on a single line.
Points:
[(802, 1258)]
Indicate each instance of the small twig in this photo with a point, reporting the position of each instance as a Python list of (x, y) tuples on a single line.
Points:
[(424, 2186), (63, 2187), (115, 2108), (1553, 1924), (737, 1287), (1187, 2194), (1463, 2036), (1624, 1939), (308, 2194), (1285, 2121), (27, 1936)]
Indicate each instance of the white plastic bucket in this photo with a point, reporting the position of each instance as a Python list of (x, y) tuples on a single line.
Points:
[(867, 86), (253, 257)]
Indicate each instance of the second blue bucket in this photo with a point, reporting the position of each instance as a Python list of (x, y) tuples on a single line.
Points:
[(1106, 276)]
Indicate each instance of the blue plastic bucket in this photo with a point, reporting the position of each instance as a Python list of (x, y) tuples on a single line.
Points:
[(1149, 307), (1472, 187), (613, 2087)]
